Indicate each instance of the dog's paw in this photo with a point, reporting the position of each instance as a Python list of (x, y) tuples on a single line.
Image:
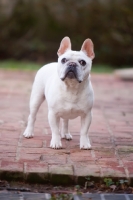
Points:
[(67, 136), (28, 133), (84, 143), (55, 143)]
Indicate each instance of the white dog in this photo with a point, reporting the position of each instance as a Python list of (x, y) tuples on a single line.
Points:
[(67, 88)]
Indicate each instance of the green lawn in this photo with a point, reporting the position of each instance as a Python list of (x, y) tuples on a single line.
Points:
[(25, 65), (19, 65), (102, 69)]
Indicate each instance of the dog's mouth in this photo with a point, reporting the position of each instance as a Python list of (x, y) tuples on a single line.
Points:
[(71, 74)]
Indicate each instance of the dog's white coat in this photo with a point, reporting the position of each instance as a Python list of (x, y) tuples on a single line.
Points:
[(66, 99)]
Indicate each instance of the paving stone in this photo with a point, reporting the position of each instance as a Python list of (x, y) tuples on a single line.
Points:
[(32, 143), (87, 170), (54, 159), (11, 166), (26, 196), (35, 168), (113, 171), (115, 197), (61, 169)]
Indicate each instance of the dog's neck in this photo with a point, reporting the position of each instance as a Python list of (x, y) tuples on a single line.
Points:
[(71, 83), (73, 86)]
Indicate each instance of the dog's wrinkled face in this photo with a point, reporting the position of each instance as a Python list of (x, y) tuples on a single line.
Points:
[(75, 64)]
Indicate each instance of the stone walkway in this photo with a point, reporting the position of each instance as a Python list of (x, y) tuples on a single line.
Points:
[(46, 196), (111, 134)]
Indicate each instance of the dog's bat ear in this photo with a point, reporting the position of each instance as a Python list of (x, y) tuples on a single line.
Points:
[(64, 46), (88, 48)]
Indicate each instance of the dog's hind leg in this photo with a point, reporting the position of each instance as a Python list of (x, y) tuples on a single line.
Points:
[(37, 97), (65, 132)]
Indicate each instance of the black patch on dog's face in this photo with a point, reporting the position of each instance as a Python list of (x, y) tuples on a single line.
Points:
[(71, 71)]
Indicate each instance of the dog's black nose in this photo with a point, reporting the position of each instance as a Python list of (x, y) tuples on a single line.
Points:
[(72, 64)]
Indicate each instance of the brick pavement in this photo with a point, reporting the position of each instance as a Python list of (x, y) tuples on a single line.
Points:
[(111, 134)]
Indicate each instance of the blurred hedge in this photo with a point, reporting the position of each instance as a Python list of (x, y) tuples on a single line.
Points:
[(34, 29)]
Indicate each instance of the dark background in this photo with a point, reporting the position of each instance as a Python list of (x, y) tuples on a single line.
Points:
[(32, 29)]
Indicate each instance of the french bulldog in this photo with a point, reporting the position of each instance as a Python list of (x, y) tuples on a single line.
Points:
[(67, 88)]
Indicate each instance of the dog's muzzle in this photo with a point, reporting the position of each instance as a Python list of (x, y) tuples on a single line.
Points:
[(71, 72)]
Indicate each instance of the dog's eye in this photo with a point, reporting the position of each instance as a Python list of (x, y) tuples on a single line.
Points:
[(64, 60), (82, 62)]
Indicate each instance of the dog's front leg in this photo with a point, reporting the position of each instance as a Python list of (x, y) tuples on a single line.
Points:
[(85, 124), (54, 124)]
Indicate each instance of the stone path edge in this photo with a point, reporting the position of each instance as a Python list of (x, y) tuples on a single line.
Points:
[(56, 178)]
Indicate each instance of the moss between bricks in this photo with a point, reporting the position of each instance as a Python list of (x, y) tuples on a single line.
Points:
[(57, 179), (11, 176), (125, 149), (40, 178)]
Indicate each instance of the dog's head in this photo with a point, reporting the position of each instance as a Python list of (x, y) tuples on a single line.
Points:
[(75, 64)]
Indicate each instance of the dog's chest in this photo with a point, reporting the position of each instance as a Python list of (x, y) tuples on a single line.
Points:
[(69, 105), (69, 110)]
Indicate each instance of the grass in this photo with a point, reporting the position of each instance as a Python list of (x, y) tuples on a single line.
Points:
[(102, 69), (19, 65), (26, 65)]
